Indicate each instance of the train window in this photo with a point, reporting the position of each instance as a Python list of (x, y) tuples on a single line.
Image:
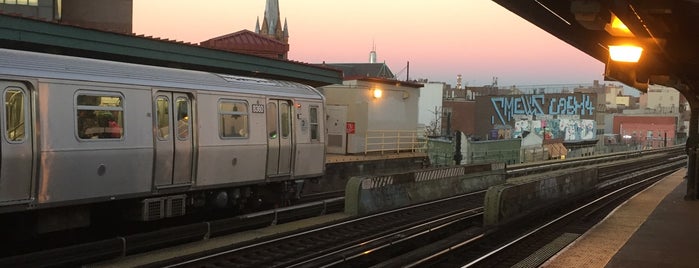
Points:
[(182, 118), (284, 113), (314, 123), (99, 116), (14, 114), (233, 119), (272, 117), (162, 116)]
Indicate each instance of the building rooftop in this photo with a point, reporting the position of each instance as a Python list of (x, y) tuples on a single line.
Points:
[(50, 37)]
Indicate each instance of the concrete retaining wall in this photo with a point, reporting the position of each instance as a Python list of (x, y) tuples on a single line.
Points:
[(366, 195), (507, 202), (337, 174)]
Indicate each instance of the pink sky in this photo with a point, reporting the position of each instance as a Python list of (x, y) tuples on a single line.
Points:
[(440, 38)]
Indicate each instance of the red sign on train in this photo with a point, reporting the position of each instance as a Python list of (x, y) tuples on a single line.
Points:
[(350, 127)]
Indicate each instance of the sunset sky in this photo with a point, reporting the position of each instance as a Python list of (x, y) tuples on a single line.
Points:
[(440, 38)]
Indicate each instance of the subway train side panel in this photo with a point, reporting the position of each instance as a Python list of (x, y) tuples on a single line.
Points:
[(81, 136), (82, 156), (232, 146), (173, 138), (310, 139), (17, 142)]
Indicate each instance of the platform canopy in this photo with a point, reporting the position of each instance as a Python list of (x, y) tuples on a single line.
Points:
[(665, 30), (49, 37)]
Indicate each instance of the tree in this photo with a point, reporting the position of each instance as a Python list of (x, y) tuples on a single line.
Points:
[(434, 128)]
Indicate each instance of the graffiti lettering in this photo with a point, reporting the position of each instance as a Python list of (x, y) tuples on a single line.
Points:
[(507, 107), (571, 106)]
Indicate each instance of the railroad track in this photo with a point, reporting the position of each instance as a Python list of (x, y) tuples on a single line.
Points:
[(388, 245), (605, 159), (120, 246), (137, 243), (341, 241), (534, 247), (532, 240)]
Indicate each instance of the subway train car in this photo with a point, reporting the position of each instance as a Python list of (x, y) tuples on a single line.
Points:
[(84, 136)]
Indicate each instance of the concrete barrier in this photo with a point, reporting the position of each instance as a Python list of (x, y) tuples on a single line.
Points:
[(507, 202), (369, 194)]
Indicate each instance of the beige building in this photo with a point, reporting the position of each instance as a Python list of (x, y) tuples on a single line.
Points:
[(370, 111), (660, 99)]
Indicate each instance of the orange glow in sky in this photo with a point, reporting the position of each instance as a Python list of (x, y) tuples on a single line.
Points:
[(440, 38)]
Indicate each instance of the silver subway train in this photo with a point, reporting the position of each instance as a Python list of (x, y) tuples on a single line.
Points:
[(83, 134)]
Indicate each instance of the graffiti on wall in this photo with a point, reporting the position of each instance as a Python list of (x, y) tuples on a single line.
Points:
[(565, 129), (550, 115), (508, 108)]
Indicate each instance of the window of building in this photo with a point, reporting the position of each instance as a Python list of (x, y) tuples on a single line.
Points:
[(314, 123), (14, 115), (233, 119), (99, 115), (20, 2)]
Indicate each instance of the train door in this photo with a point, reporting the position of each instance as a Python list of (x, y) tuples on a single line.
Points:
[(279, 137), (16, 145), (174, 146)]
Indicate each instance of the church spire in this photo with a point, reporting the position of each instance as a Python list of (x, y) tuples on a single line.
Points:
[(271, 17), (271, 23), (286, 32), (257, 25)]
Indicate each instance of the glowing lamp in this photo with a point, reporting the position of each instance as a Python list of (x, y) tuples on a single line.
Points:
[(618, 28), (377, 93), (625, 53)]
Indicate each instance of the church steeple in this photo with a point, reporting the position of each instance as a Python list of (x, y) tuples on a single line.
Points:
[(286, 32), (271, 24), (257, 25)]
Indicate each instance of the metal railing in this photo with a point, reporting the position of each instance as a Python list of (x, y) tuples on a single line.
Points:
[(394, 141)]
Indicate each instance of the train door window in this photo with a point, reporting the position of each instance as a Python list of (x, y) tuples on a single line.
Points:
[(285, 118), (314, 123), (162, 116), (14, 115), (272, 125), (182, 106), (233, 119), (99, 116)]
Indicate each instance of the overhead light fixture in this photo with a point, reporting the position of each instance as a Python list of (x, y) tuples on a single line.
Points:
[(377, 93), (625, 53), (617, 28)]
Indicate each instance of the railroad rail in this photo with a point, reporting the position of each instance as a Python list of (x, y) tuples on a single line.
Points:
[(341, 241), (388, 246), (532, 240), (128, 245)]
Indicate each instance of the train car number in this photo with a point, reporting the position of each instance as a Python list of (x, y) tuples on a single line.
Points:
[(258, 108)]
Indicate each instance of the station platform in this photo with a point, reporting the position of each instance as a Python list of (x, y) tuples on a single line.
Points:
[(656, 228)]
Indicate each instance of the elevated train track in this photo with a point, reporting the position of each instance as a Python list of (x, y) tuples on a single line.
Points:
[(460, 228), (132, 244)]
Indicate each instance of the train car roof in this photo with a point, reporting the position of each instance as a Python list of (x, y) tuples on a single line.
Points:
[(40, 65)]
